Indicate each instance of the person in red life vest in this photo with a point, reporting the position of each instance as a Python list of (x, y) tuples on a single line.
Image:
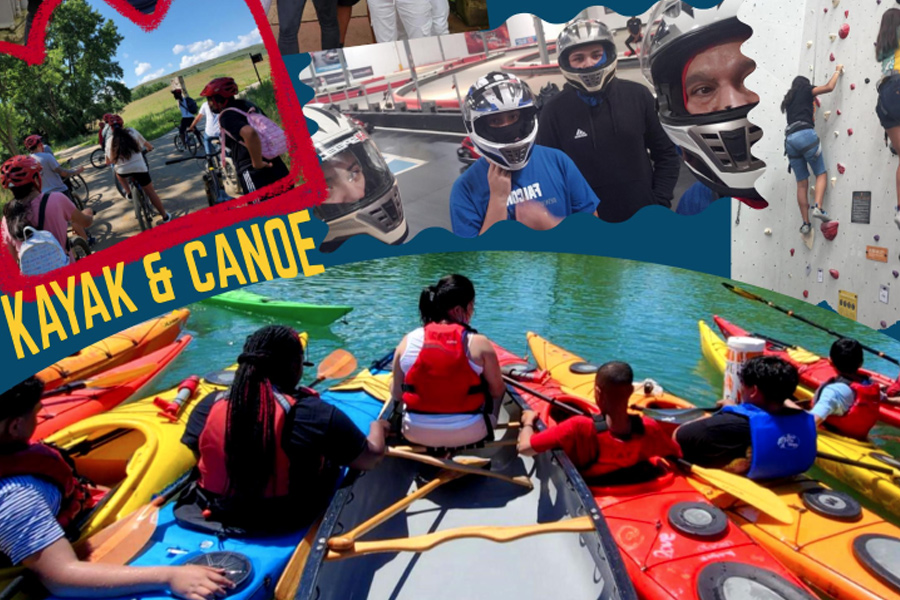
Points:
[(270, 455), (41, 498), (446, 374), (848, 402), (765, 437), (605, 444)]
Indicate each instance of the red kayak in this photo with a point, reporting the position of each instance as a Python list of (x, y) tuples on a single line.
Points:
[(675, 544), (814, 370), (68, 407)]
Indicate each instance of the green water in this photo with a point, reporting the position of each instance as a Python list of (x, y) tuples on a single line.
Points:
[(599, 308)]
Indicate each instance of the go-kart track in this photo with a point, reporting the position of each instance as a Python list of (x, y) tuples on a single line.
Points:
[(424, 158)]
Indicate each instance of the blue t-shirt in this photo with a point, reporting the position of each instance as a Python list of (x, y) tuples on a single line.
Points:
[(695, 200), (834, 399), (550, 177), (28, 507)]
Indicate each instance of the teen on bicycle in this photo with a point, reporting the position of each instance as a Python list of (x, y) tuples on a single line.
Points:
[(124, 149), (211, 128)]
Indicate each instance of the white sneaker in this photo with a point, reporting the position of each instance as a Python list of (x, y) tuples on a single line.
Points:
[(166, 219), (818, 213), (805, 228)]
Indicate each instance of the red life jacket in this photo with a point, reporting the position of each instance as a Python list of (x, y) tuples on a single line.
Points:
[(213, 460), (864, 412), (442, 381), (617, 453), (40, 460)]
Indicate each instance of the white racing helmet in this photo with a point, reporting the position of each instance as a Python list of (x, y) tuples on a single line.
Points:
[(510, 146), (580, 33), (716, 146)]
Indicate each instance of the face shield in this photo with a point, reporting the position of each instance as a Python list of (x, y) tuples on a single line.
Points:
[(356, 175)]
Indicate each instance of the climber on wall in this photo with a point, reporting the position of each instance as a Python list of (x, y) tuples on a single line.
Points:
[(887, 50), (801, 143)]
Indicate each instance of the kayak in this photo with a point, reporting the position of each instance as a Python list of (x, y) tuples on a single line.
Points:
[(65, 408), (254, 564), (434, 549), (814, 370), (879, 487), (675, 543), (835, 545), (308, 314), (116, 350)]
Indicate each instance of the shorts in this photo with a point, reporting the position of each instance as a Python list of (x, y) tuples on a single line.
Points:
[(804, 142), (142, 178), (251, 179), (888, 107)]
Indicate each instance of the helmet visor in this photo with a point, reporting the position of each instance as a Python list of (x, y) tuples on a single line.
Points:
[(355, 174), (507, 127)]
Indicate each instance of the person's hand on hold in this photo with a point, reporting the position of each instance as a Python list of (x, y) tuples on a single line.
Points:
[(536, 216)]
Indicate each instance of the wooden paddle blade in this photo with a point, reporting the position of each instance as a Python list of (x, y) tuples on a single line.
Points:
[(455, 466), (289, 581), (123, 540), (501, 535), (337, 365), (746, 490)]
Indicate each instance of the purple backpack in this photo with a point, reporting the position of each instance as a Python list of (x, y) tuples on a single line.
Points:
[(272, 138)]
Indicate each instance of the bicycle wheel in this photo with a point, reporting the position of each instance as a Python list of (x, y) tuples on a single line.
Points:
[(98, 158), (79, 189), (211, 188), (179, 143), (191, 143), (80, 247), (140, 212)]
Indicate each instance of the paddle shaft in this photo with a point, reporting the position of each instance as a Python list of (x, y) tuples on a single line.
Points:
[(790, 313), (425, 449), (855, 463), (455, 466), (509, 380), (289, 581)]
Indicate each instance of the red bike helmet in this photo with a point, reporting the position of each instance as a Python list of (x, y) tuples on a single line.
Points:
[(32, 141), (20, 170), (106, 117), (221, 86), (115, 120)]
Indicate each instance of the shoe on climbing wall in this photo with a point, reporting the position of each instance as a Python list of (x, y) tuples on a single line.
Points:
[(897, 217), (818, 213), (804, 229)]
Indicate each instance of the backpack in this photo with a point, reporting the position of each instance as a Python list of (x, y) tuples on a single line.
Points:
[(41, 252), (272, 139), (191, 105)]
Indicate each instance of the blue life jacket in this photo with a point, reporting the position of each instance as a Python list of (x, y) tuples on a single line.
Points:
[(782, 446)]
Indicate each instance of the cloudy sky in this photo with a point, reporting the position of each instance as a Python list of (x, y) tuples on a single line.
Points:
[(193, 31)]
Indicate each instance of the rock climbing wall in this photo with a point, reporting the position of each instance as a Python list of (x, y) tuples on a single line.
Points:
[(856, 271)]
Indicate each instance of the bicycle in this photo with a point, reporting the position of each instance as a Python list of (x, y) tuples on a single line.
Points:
[(78, 189), (191, 142), (80, 247), (143, 210), (212, 178), (98, 158)]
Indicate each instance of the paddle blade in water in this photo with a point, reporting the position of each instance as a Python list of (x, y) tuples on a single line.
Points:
[(337, 365)]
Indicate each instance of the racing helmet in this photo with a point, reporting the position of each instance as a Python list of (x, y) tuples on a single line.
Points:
[(580, 33), (508, 146), (716, 146), (362, 190)]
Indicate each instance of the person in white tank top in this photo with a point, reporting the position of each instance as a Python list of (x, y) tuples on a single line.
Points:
[(447, 308)]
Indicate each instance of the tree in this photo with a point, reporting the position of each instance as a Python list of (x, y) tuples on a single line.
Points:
[(78, 81)]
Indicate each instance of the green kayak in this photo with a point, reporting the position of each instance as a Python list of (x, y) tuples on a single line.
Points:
[(308, 314)]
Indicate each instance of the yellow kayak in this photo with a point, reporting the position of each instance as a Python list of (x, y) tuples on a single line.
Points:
[(879, 487)]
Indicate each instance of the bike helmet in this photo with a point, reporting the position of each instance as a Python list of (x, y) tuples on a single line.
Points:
[(115, 121), (221, 86), (32, 141), (580, 33), (106, 117), (20, 170), (508, 146), (716, 146)]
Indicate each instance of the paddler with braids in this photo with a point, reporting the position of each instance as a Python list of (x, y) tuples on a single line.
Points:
[(446, 376), (41, 497), (608, 447), (269, 454)]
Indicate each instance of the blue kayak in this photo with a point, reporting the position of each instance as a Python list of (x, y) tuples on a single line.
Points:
[(255, 563)]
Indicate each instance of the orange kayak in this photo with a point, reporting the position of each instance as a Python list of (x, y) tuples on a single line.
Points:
[(117, 349)]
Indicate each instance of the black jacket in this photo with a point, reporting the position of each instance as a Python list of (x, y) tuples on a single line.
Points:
[(610, 143)]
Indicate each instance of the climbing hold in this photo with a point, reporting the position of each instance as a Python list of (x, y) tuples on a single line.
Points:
[(809, 44), (834, 273), (852, 86), (877, 237), (768, 231), (832, 37), (806, 293), (846, 13), (841, 168), (792, 251), (826, 9), (844, 31), (896, 274), (834, 3), (829, 229), (808, 269), (833, 181), (826, 114), (884, 324), (817, 102), (849, 131), (838, 111), (837, 133), (867, 80)]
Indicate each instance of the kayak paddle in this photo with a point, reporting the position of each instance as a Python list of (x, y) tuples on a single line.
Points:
[(790, 313), (446, 463), (512, 382), (186, 391), (337, 365), (286, 589), (107, 380)]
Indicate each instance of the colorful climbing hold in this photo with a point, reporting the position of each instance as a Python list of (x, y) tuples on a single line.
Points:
[(841, 168), (829, 229), (896, 274), (792, 251), (768, 231), (884, 324), (838, 111), (806, 293), (844, 31), (826, 114), (846, 13), (833, 181), (877, 237), (834, 273), (831, 57), (852, 86), (849, 131), (826, 9), (867, 80)]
